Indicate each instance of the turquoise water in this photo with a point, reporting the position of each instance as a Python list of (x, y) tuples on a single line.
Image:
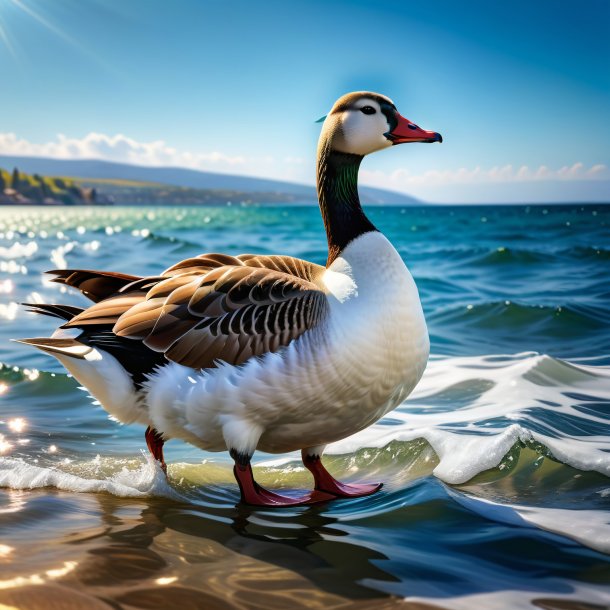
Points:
[(496, 468)]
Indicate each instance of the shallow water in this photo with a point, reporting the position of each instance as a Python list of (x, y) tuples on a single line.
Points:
[(496, 470)]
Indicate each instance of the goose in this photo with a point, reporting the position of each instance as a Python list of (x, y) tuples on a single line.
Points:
[(266, 352)]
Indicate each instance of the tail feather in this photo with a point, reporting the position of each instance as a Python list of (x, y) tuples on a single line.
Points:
[(64, 347), (95, 341), (95, 285), (64, 312)]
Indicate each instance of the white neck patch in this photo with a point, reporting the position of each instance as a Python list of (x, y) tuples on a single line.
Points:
[(339, 281)]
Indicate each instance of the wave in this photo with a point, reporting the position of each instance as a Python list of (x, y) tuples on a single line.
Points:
[(479, 258), (470, 410), (177, 244), (508, 431), (588, 527), (211, 487), (473, 410), (506, 256), (588, 253), (502, 317), (146, 480)]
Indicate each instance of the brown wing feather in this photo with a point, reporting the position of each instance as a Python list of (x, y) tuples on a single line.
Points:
[(107, 311), (287, 264), (201, 264), (95, 285), (216, 307), (246, 312)]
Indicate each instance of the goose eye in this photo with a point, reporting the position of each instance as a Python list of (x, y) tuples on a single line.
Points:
[(368, 110)]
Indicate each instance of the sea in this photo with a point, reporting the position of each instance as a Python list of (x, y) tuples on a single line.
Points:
[(496, 470)]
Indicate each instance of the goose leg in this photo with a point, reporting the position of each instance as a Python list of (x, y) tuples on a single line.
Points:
[(325, 482), (155, 442), (253, 493)]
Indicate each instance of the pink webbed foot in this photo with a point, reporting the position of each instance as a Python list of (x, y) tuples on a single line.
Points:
[(253, 493), (325, 482)]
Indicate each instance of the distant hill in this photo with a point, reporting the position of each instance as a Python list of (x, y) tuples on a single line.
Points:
[(20, 188), (243, 187), (133, 192)]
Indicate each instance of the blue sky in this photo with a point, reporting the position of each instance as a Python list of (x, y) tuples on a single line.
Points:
[(520, 90)]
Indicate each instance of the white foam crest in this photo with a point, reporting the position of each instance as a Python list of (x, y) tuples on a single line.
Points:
[(147, 480), (588, 527), (510, 386), (580, 452), (518, 381)]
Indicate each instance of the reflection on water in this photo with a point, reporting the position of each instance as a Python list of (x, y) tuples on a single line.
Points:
[(367, 553), (158, 554)]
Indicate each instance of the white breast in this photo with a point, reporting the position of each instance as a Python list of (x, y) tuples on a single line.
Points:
[(380, 330), (331, 382)]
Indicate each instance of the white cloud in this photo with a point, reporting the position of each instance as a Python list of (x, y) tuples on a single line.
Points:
[(121, 148), (118, 148), (598, 170), (403, 179)]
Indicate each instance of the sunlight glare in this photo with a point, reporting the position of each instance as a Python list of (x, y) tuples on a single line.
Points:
[(18, 424), (5, 550), (5, 446)]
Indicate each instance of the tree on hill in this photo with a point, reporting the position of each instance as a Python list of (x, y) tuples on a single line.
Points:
[(37, 189), (44, 189)]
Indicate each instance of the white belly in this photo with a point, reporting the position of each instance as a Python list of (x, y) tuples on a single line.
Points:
[(330, 383)]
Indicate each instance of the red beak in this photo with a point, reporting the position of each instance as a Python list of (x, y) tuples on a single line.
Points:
[(406, 131)]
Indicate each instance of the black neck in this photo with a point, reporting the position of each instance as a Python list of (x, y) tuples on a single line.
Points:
[(342, 213)]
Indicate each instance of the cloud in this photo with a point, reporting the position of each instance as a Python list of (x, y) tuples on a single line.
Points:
[(403, 179), (123, 149), (118, 148)]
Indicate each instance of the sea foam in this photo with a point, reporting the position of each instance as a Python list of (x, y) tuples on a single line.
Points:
[(511, 400), (147, 480)]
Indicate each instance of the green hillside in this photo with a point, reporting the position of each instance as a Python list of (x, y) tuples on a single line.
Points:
[(136, 192), (19, 188)]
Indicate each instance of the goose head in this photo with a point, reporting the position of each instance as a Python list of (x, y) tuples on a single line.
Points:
[(363, 122)]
